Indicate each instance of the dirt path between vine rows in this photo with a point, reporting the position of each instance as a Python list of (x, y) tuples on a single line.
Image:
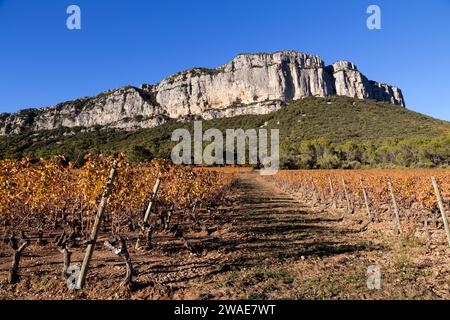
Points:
[(268, 246)]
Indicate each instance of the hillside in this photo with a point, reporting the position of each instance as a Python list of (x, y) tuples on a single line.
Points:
[(314, 132)]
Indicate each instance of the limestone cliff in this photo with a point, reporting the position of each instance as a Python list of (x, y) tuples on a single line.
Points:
[(249, 84)]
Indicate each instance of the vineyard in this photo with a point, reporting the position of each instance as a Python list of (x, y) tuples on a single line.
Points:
[(408, 198), (53, 201), (155, 230)]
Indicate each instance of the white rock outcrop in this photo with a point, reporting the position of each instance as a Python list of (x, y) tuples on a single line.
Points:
[(249, 84), (348, 81)]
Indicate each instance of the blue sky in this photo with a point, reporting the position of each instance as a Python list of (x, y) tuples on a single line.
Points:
[(137, 41)]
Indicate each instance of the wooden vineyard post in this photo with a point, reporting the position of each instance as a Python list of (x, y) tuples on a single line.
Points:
[(315, 193), (346, 194), (394, 203), (95, 229), (441, 208), (366, 200), (152, 200), (144, 226), (332, 192)]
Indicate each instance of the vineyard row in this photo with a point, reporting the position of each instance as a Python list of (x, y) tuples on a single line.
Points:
[(408, 198)]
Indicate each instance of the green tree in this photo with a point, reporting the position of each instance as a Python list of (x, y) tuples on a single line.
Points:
[(137, 153)]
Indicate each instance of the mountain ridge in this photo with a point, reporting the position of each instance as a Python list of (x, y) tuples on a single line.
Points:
[(258, 83)]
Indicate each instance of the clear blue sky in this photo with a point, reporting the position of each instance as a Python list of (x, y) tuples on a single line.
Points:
[(142, 41)]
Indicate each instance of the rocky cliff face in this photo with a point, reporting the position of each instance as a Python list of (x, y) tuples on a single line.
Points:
[(348, 81), (248, 84)]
